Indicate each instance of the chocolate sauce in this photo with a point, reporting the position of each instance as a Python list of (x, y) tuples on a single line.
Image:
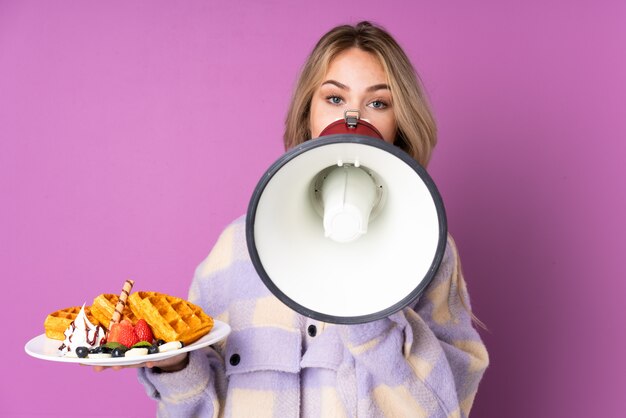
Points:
[(95, 341), (69, 338), (95, 335)]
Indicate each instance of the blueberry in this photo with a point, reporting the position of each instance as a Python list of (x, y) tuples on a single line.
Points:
[(105, 350), (153, 349), (160, 342), (118, 352), (82, 352), (96, 350)]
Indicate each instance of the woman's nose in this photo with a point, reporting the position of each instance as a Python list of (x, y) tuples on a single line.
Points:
[(354, 105)]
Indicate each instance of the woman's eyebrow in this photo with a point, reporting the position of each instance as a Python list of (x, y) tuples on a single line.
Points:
[(378, 87), (337, 84), (342, 86)]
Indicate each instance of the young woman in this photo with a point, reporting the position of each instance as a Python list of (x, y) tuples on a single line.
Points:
[(423, 361)]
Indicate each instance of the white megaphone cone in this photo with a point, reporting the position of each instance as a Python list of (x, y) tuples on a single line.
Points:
[(346, 228)]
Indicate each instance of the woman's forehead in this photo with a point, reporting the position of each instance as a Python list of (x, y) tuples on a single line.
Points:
[(357, 65)]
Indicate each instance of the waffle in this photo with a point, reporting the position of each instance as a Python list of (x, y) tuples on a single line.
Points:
[(57, 322), (104, 306), (171, 318), (134, 301)]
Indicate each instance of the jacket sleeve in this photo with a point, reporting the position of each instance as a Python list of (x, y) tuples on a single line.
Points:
[(422, 361), (189, 392), (197, 389)]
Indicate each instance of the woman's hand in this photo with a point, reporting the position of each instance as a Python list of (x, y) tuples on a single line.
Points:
[(171, 364)]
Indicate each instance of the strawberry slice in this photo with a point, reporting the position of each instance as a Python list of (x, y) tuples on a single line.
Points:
[(143, 331), (123, 333)]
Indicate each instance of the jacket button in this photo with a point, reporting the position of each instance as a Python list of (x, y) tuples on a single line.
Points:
[(235, 359), (312, 330)]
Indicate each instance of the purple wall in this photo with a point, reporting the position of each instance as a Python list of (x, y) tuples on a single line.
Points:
[(132, 132)]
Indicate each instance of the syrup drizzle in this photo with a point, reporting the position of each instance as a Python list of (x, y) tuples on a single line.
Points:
[(95, 341)]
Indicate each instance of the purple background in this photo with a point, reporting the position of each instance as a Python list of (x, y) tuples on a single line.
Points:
[(131, 133)]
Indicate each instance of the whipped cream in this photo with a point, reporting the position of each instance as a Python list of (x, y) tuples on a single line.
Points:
[(82, 333)]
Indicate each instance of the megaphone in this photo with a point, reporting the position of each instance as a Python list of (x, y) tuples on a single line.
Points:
[(346, 228)]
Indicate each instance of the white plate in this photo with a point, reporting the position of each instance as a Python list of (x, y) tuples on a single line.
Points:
[(46, 348)]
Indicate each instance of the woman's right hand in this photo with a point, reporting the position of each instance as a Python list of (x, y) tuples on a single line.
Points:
[(171, 364)]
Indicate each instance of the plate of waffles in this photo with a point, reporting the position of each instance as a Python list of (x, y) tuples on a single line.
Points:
[(122, 330), (45, 348)]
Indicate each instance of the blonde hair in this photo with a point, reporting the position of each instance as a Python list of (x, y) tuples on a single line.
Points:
[(417, 131)]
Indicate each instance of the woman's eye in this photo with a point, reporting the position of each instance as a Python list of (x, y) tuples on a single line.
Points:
[(378, 104), (334, 100)]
